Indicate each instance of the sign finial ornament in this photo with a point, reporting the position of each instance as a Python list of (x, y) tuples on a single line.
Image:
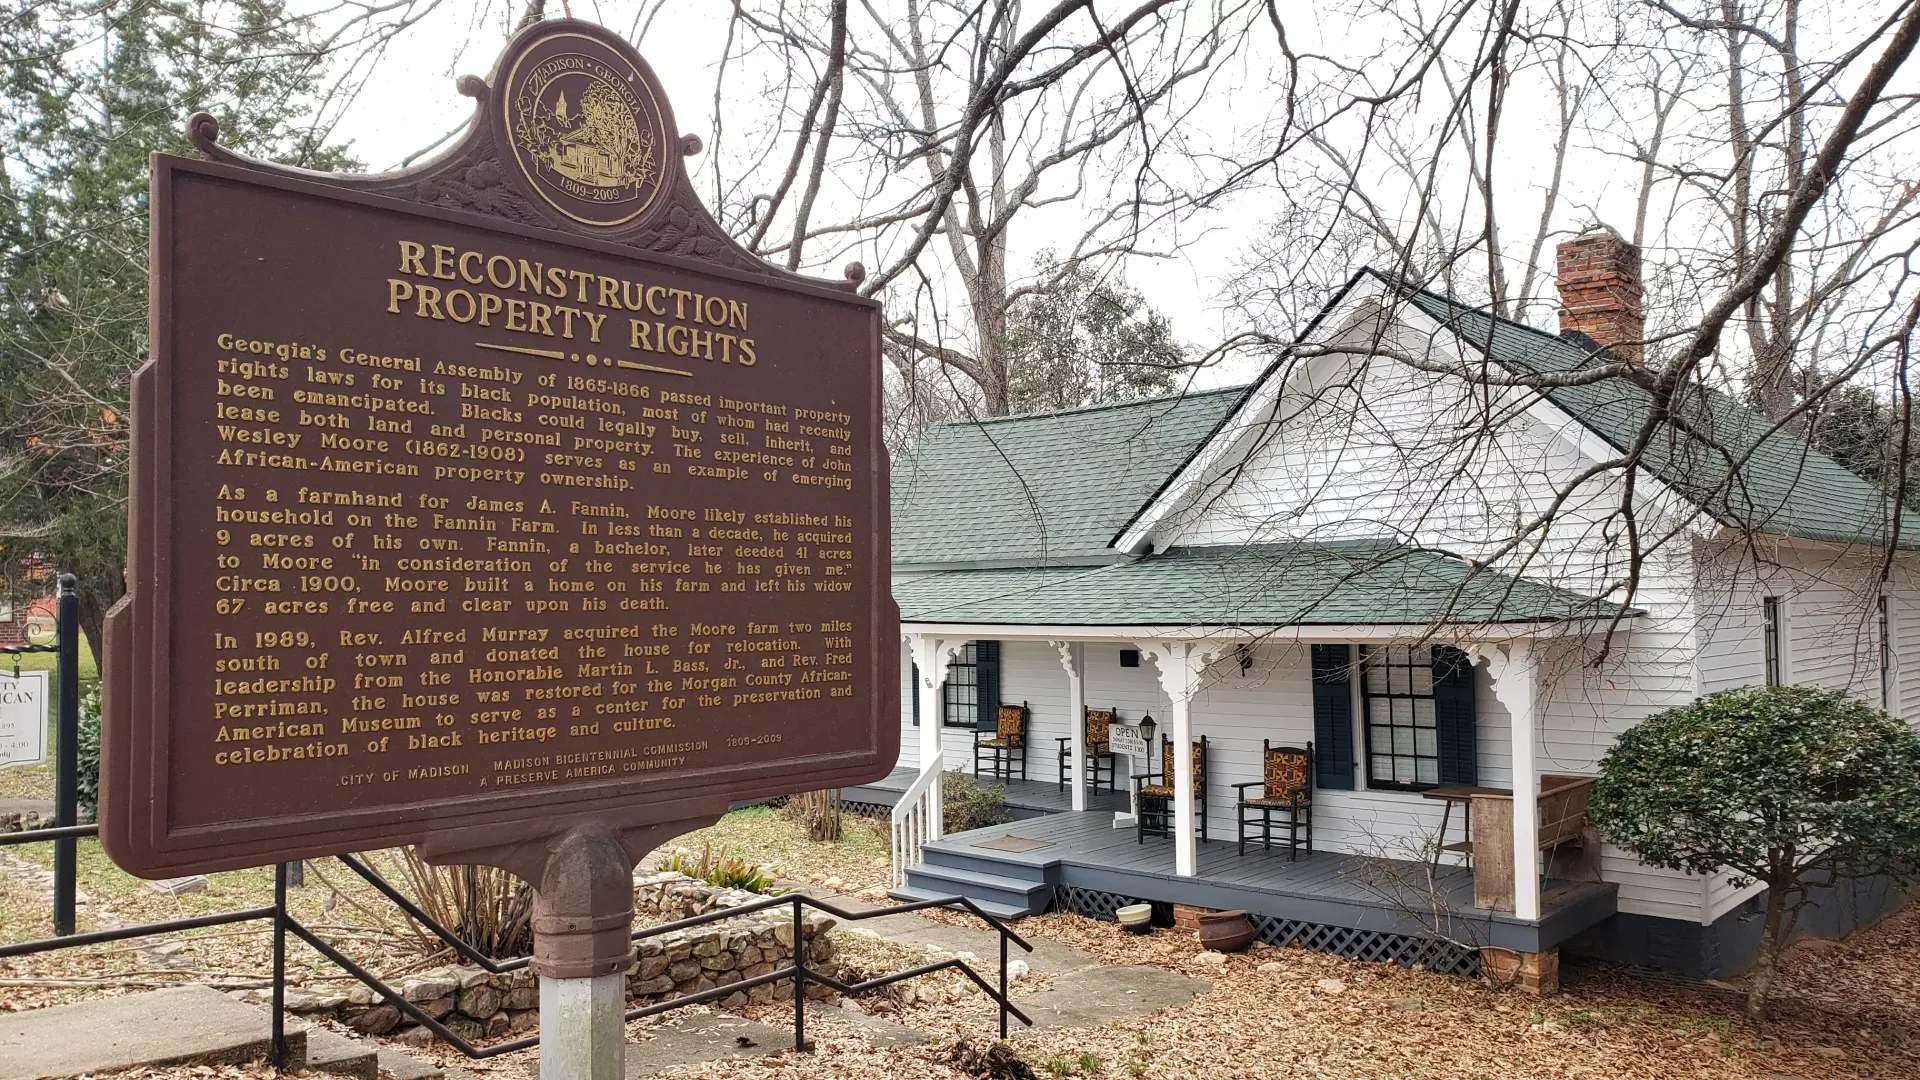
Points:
[(586, 126)]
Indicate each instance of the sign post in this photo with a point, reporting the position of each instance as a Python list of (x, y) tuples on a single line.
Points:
[(504, 507)]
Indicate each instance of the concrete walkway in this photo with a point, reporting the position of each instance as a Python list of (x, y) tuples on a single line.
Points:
[(1085, 993)]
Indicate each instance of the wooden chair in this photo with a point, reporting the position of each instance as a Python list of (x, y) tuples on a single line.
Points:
[(1572, 846), (1153, 802), (1286, 788), (1100, 755), (1005, 747)]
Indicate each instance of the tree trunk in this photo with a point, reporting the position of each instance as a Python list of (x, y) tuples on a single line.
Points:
[(96, 597), (1770, 943)]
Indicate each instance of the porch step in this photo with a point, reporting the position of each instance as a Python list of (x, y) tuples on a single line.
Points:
[(958, 857), (999, 910), (1021, 894)]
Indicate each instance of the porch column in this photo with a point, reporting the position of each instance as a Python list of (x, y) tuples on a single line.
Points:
[(1514, 670), (1072, 659), (1180, 664), (930, 655)]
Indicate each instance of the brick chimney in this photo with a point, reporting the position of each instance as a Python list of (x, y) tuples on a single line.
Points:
[(1600, 293)]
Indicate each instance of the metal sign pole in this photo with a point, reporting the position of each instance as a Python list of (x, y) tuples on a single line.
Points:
[(66, 791)]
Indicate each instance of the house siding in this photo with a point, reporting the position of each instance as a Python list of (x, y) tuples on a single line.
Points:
[(1348, 460)]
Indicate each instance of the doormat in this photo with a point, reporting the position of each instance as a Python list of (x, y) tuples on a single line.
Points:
[(1012, 843)]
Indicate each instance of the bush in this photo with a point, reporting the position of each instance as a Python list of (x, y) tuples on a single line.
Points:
[(719, 868), (484, 906), (966, 803), (818, 812), (1789, 786), (88, 749)]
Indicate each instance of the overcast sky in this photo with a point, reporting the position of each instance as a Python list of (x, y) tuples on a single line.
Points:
[(411, 101)]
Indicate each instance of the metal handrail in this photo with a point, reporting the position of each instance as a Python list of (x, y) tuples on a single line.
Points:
[(51, 832), (797, 970), (453, 941)]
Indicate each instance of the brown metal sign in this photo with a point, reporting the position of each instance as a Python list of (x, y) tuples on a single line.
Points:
[(468, 528)]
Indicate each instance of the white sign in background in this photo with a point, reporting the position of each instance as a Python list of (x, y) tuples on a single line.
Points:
[(23, 718)]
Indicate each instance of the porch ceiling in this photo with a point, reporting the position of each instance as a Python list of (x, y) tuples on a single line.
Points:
[(1344, 583)]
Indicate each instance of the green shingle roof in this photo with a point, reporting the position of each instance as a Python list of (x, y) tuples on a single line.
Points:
[(1043, 488), (1338, 583), (1778, 484)]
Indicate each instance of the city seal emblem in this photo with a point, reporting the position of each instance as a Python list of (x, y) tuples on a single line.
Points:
[(587, 128)]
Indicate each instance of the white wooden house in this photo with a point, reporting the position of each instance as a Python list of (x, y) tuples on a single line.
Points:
[(1249, 564)]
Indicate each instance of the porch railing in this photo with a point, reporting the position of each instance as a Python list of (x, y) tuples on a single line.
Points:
[(916, 820)]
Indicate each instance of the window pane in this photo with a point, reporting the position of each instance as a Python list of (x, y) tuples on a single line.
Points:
[(1423, 712), (1382, 767), (1382, 737), (1400, 683), (1403, 740), (1403, 770), (1376, 679), (1426, 742), (1402, 712), (1423, 680), (1429, 771)]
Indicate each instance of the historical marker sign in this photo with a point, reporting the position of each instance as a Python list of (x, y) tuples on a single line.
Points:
[(462, 528)]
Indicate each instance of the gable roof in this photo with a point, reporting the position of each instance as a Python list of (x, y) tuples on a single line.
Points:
[(1752, 477), (1045, 487), (1356, 582)]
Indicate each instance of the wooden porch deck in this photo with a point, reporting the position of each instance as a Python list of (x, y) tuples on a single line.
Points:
[(1389, 896)]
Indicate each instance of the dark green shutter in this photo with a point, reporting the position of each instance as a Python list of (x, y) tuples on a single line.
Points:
[(1456, 715), (1333, 716), (986, 658), (916, 695)]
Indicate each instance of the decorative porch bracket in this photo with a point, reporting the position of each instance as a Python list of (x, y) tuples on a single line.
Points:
[(1515, 669), (930, 655), (1072, 658), (1180, 664)]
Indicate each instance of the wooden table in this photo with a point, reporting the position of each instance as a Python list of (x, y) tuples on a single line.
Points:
[(1461, 794)]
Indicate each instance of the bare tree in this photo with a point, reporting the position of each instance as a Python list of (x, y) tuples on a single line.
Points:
[(963, 122)]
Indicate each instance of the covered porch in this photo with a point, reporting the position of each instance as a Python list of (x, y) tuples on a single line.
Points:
[(1369, 907), (1237, 643)]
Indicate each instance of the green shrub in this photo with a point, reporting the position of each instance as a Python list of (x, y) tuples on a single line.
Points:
[(719, 868), (1789, 786), (966, 803), (88, 748)]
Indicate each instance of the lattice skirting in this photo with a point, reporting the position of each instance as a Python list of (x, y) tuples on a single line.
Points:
[(1375, 946), (866, 809)]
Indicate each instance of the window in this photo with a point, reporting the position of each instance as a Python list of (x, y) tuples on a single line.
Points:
[(1886, 656), (1403, 737), (1770, 632), (960, 696)]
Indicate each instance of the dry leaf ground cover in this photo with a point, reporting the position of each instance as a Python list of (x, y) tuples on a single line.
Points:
[(1848, 1009), (764, 835), (1290, 1013), (340, 907)]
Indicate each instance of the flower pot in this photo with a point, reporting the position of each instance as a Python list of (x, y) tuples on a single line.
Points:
[(1226, 931), (1136, 918)]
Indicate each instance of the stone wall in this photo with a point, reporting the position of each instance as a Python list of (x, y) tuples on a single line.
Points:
[(478, 1005)]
